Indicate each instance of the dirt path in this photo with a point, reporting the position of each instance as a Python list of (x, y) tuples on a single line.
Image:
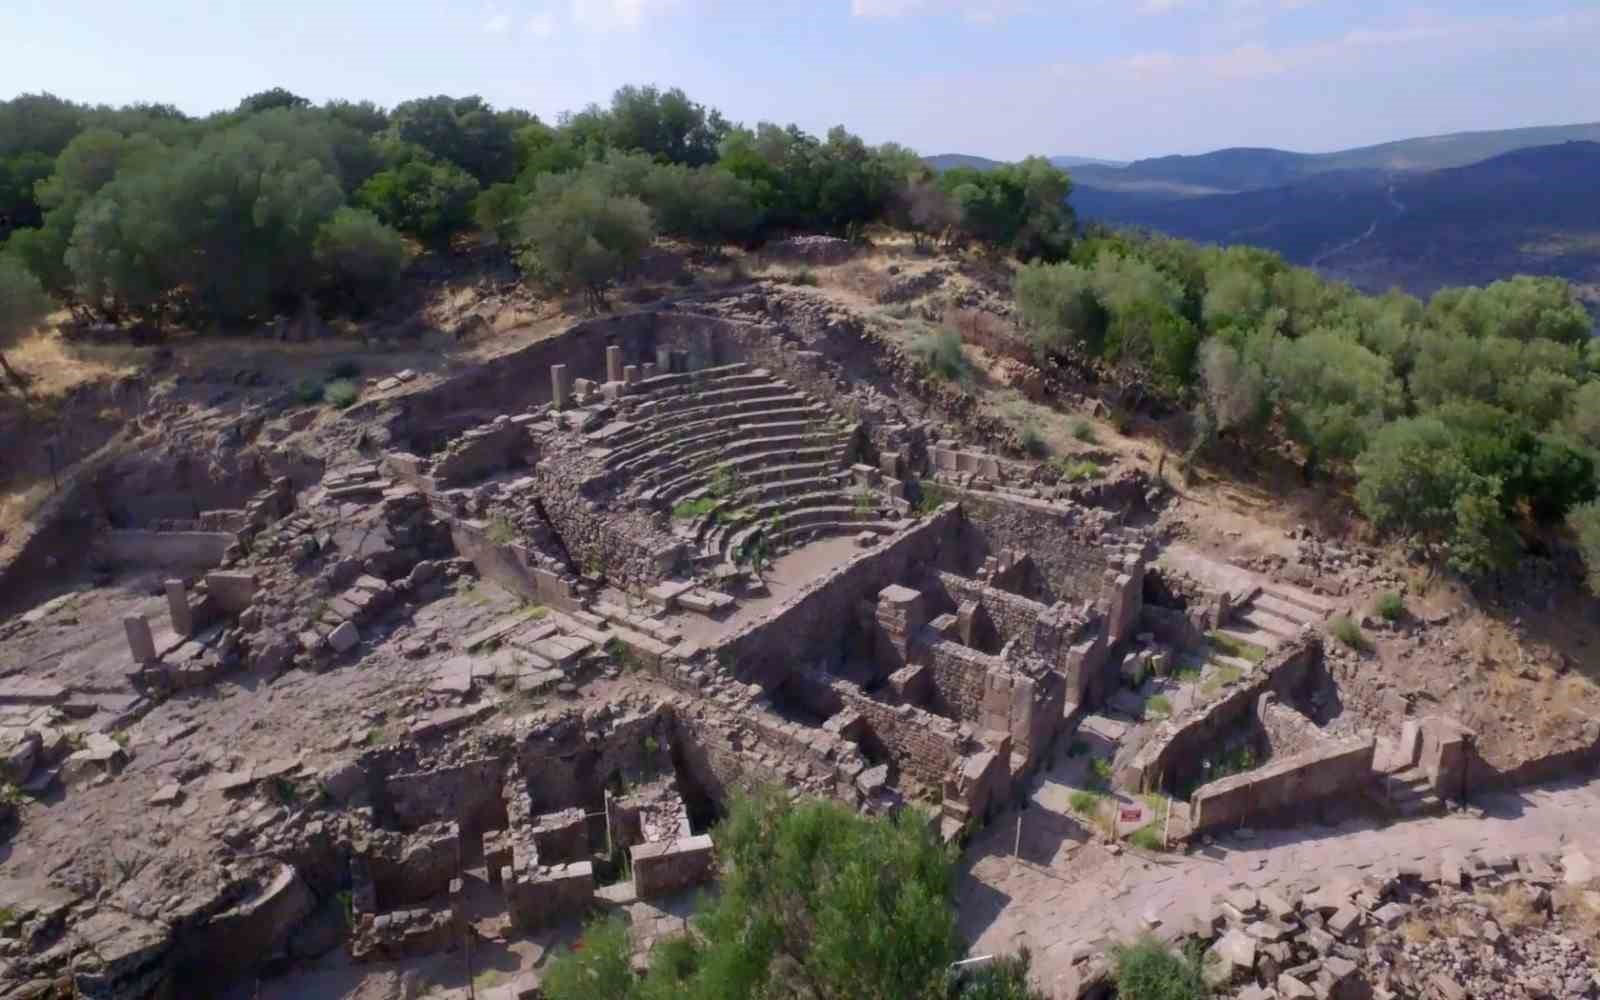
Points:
[(1064, 898)]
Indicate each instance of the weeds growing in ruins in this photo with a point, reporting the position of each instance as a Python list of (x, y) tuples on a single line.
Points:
[(308, 392), (341, 394), (688, 510), (941, 352), (930, 498), (1229, 646), (1344, 628), (1086, 803), (1032, 441), (1077, 470), (1158, 707), (501, 531), (724, 482), (1083, 430), (376, 736), (1149, 970), (1147, 838), (1390, 606)]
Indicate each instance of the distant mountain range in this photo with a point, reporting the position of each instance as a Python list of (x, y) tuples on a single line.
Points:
[(950, 161), (1464, 208)]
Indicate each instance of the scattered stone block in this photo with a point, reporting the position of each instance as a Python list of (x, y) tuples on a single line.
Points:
[(1292, 988), (167, 795), (344, 638)]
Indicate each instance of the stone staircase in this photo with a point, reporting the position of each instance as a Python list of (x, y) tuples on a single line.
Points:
[(1274, 613), (758, 458), (1411, 793)]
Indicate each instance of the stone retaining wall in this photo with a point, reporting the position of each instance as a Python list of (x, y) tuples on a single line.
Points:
[(177, 550), (1283, 787)]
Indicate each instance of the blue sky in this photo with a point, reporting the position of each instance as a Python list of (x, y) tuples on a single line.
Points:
[(1003, 78)]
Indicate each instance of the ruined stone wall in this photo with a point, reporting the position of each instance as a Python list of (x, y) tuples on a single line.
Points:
[(1071, 546), (922, 745), (751, 747), (509, 383), (178, 550), (479, 452), (1178, 746), (627, 546), (513, 566), (408, 869), (1284, 787), (468, 793), (564, 768), (1013, 617), (960, 676), (670, 865), (809, 626)]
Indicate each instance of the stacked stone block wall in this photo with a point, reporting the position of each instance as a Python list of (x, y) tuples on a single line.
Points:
[(1282, 788)]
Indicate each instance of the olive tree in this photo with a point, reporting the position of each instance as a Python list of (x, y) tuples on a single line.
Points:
[(23, 306)]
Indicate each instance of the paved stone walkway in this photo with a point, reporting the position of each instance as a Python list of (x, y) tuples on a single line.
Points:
[(1065, 895)]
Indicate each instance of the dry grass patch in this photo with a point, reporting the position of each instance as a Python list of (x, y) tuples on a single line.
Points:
[(1516, 907)]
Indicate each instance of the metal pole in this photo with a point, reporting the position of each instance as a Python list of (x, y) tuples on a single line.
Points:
[(1016, 848)]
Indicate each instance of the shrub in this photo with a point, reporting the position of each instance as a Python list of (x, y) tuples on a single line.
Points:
[(308, 391), (1343, 628), (1147, 838), (1033, 442), (1390, 606), (344, 368), (941, 352), (930, 497), (1083, 431), (341, 394), (1159, 706), (1148, 970), (502, 531), (1078, 470)]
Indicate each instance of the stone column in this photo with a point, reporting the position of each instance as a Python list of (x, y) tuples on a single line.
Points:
[(680, 362), (630, 373), (560, 387), (613, 364), (178, 607), (664, 360), (140, 643), (649, 369)]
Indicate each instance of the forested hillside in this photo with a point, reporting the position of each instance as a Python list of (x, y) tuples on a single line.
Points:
[(142, 213)]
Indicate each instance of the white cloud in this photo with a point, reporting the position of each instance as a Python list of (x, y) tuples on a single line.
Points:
[(497, 23), (542, 25), (977, 11), (617, 15)]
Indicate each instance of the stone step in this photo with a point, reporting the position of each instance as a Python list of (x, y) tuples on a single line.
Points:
[(792, 536), (1286, 610), (1248, 634), (1304, 599), (701, 452), (755, 397), (687, 426), (1266, 621)]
